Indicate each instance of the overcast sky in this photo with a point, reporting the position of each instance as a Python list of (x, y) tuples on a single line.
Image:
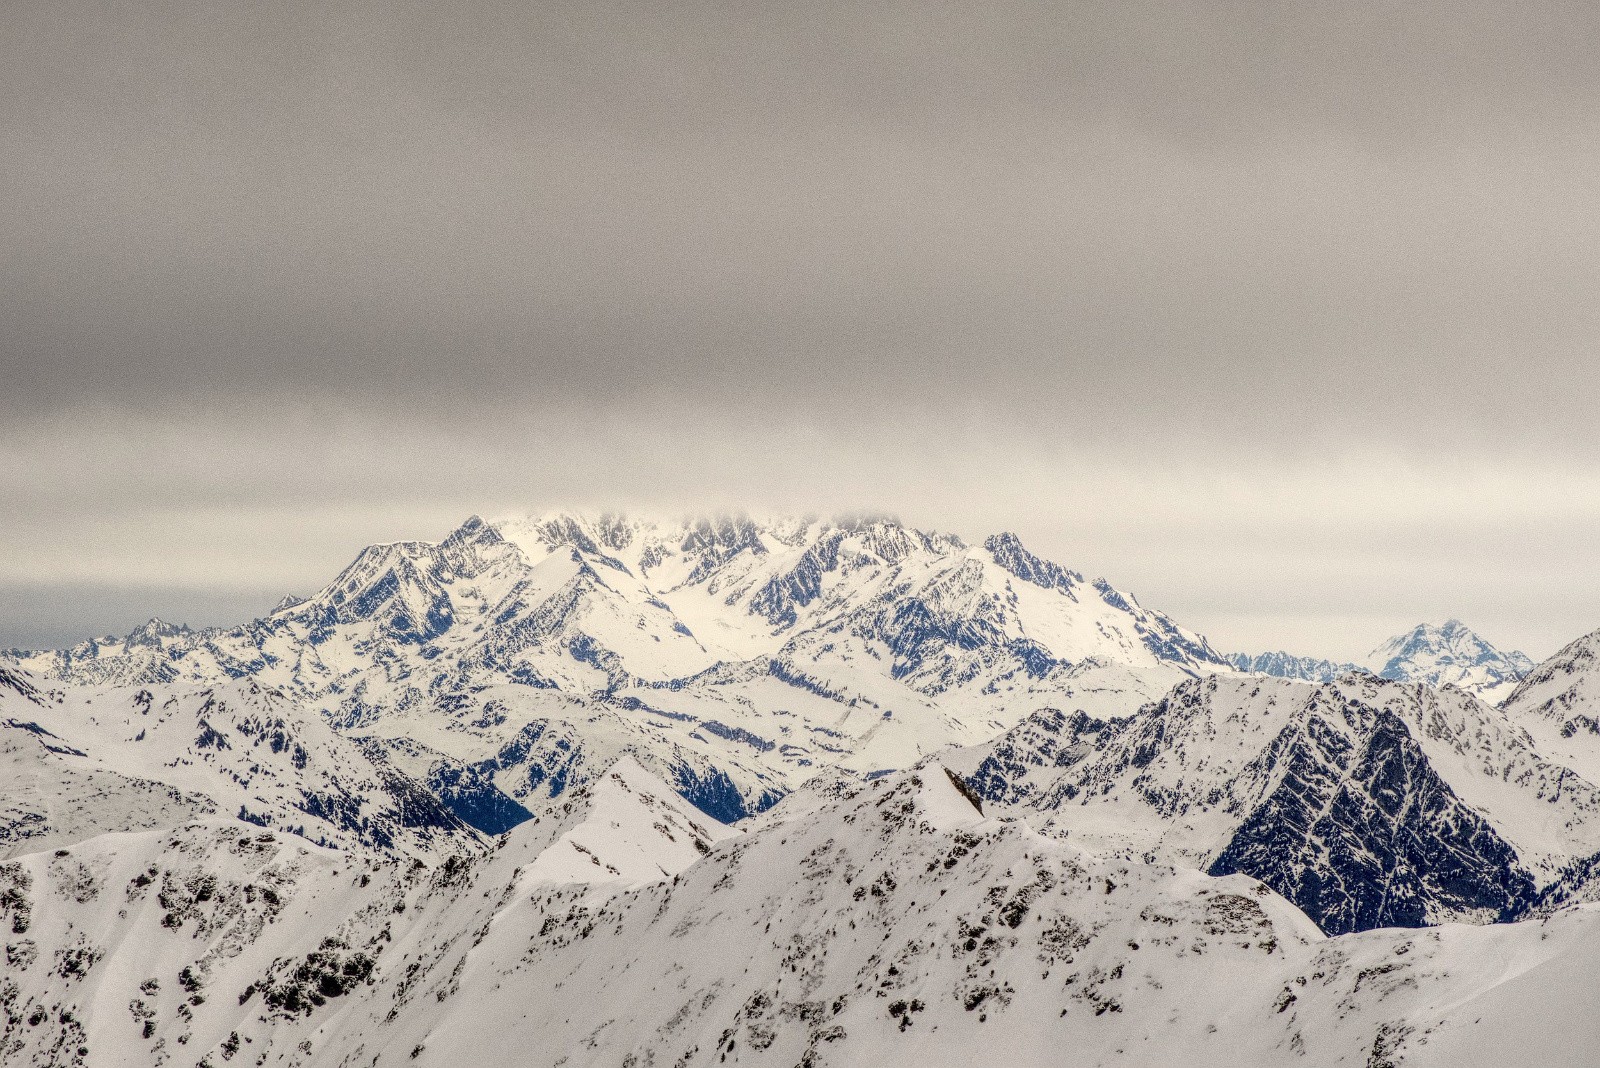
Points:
[(1282, 316)]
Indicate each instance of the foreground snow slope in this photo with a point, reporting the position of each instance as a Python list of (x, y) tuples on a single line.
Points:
[(896, 924), (138, 948)]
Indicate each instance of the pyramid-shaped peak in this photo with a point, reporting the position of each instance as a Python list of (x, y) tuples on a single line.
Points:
[(473, 528), (1008, 551), (1450, 652), (627, 826), (153, 630), (1451, 635), (944, 800)]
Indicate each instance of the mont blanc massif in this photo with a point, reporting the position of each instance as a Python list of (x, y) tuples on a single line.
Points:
[(583, 790)]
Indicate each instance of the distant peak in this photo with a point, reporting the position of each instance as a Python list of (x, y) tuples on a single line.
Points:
[(1451, 630), (155, 628), (1448, 652), (475, 530), (594, 534)]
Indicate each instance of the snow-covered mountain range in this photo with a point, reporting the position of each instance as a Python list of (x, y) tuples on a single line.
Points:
[(1281, 665), (1450, 654), (599, 790), (733, 657)]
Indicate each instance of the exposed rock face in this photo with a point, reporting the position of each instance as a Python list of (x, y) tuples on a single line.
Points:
[(1365, 802), (1030, 753), (464, 790), (1361, 833)]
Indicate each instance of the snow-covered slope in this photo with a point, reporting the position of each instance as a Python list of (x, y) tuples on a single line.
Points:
[(1558, 703), (733, 658), (895, 924), (51, 794), (1366, 802), (627, 826), (132, 949), (85, 760)]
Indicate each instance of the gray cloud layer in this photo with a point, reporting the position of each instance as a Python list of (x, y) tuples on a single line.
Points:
[(1284, 314)]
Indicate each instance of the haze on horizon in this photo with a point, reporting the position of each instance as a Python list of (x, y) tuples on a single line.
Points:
[(1280, 318)]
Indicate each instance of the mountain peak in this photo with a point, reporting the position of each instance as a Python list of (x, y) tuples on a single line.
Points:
[(1448, 653), (154, 630), (627, 826), (1282, 665), (1452, 639)]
